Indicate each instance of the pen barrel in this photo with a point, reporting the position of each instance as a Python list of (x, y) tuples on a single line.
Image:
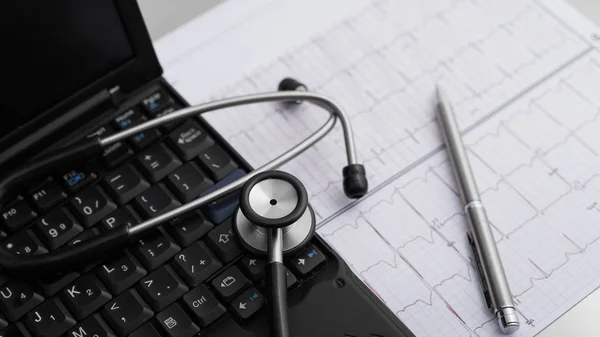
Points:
[(495, 285), (457, 154), (490, 264), (489, 257)]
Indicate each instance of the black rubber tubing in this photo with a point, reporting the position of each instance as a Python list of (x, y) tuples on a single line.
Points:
[(277, 288), (44, 164)]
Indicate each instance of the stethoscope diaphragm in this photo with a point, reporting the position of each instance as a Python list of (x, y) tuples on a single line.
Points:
[(274, 199)]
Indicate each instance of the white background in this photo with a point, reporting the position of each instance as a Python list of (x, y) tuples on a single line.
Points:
[(163, 16)]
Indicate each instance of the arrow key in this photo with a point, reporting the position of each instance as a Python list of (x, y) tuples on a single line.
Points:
[(307, 260), (248, 304), (253, 267)]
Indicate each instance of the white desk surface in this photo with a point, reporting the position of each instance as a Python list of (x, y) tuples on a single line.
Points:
[(163, 16)]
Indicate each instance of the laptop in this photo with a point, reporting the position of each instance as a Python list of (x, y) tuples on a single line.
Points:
[(76, 69)]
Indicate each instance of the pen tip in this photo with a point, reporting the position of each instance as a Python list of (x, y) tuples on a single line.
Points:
[(440, 94)]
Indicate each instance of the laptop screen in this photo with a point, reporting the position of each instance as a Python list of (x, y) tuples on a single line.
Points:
[(53, 49)]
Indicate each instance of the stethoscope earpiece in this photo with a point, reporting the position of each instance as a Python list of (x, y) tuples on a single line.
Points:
[(270, 200)]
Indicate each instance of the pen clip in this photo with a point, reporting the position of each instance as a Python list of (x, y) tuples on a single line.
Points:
[(482, 282)]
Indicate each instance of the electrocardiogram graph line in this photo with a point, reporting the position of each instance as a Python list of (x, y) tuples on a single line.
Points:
[(381, 152), (441, 64), (429, 239), (465, 131)]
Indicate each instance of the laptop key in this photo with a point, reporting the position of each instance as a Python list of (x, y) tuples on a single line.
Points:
[(176, 323), (248, 304), (51, 319), (162, 287), (24, 242), (125, 183), (155, 201), (189, 139), (93, 326), (167, 110), (85, 235), (290, 279), (15, 330), (188, 181), (17, 214), (121, 216), (223, 208), (53, 283), (115, 154), (127, 312), (120, 273), (155, 102), (18, 298), (146, 330), (85, 296), (216, 162), (155, 248), (203, 305), (101, 132), (91, 205), (128, 118), (305, 262), (77, 178), (222, 241), (196, 263), (254, 267), (57, 228), (47, 196), (189, 227), (157, 162), (230, 283), (3, 324), (144, 138)]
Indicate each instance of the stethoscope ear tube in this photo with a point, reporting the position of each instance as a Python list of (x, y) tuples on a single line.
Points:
[(67, 257), (51, 160)]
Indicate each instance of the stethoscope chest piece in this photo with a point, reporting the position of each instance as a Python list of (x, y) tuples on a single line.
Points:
[(270, 200)]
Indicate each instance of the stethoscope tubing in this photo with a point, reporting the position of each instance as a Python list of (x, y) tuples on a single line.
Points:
[(117, 237)]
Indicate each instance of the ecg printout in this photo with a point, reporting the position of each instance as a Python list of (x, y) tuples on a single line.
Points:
[(525, 86)]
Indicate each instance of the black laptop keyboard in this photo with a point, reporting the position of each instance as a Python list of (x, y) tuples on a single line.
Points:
[(179, 280)]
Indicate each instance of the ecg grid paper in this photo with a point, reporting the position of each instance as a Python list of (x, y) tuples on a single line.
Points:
[(525, 89)]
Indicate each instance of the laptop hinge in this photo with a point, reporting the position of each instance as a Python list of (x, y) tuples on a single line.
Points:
[(117, 96), (101, 101)]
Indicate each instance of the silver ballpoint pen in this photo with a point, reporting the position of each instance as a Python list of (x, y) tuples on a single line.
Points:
[(491, 273)]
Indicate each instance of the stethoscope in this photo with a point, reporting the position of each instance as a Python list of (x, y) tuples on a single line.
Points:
[(273, 217)]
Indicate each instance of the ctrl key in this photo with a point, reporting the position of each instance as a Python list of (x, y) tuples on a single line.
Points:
[(205, 308)]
